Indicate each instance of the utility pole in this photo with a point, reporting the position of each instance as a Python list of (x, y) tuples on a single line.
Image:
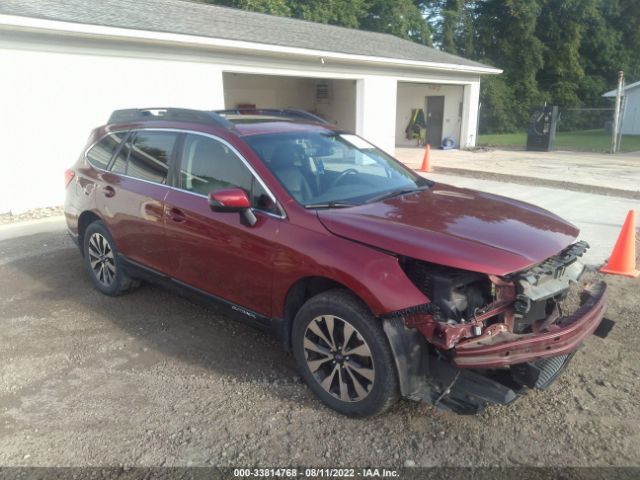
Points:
[(615, 138)]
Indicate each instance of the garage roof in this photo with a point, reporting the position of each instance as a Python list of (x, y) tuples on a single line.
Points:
[(212, 21), (614, 93)]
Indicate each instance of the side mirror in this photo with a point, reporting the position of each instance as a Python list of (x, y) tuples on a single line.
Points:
[(233, 200)]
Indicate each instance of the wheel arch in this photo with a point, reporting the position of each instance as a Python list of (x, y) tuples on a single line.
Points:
[(297, 294), (85, 219)]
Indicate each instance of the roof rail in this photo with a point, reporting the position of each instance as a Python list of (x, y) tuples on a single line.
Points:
[(169, 114), (290, 113)]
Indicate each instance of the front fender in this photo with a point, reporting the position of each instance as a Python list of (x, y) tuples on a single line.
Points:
[(374, 276)]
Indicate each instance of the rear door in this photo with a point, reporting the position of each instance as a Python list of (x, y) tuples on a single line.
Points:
[(90, 181), (214, 251), (132, 199)]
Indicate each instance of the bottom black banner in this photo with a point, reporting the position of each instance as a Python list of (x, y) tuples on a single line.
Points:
[(215, 473)]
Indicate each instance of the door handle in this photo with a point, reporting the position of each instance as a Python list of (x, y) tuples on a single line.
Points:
[(176, 215), (108, 191)]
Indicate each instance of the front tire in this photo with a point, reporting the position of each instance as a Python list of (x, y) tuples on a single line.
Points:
[(343, 354), (102, 262)]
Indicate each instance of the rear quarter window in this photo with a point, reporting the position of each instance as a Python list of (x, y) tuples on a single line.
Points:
[(101, 153)]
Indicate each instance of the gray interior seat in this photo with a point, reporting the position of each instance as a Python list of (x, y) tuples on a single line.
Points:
[(283, 165)]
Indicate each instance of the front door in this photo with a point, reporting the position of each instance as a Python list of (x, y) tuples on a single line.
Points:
[(435, 118), (214, 251)]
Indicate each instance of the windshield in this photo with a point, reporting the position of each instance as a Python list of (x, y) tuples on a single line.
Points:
[(332, 169)]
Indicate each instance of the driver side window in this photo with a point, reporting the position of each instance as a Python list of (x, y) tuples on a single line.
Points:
[(208, 165)]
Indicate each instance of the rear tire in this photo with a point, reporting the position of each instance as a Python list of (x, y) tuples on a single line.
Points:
[(103, 263), (344, 355)]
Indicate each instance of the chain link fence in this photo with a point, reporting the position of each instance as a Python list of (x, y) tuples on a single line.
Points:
[(590, 129), (577, 129), (590, 119)]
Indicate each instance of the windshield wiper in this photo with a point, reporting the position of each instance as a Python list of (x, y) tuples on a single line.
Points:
[(395, 193), (330, 205)]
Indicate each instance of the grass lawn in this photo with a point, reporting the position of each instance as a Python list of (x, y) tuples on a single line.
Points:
[(582, 141)]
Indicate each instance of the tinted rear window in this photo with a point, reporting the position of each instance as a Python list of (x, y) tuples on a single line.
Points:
[(150, 154), (100, 154)]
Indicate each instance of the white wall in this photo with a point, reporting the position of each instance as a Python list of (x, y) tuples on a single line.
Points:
[(51, 101), (631, 120), (470, 105), (376, 111), (412, 95), (341, 107), (271, 91), (267, 91)]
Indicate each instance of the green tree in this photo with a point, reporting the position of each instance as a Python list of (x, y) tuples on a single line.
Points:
[(445, 16), (561, 27), (497, 101), (465, 34), (346, 13), (628, 24), (273, 7), (401, 18), (566, 52), (505, 36), (600, 53)]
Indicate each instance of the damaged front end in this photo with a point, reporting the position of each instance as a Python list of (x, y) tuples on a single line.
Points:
[(488, 337)]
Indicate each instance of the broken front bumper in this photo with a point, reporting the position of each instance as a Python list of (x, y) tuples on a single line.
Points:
[(497, 347), (493, 368), (465, 378)]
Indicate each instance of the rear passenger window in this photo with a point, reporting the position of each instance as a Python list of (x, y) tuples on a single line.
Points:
[(100, 154), (150, 154)]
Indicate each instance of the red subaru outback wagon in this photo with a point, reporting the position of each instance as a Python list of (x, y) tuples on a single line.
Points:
[(381, 282)]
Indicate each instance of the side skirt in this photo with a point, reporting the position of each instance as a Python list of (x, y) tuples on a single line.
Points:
[(225, 307)]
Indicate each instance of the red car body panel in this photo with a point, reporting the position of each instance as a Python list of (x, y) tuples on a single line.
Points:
[(456, 227), (215, 253), (374, 276), (134, 214)]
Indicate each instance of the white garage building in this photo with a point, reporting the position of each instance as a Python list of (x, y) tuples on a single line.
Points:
[(67, 65), (630, 123)]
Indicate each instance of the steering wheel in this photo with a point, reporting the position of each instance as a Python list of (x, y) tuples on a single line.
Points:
[(338, 179)]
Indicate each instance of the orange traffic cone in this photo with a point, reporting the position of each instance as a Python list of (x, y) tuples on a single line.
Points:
[(425, 160), (623, 256)]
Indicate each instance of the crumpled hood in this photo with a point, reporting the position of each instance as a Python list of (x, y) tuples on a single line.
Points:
[(456, 227)]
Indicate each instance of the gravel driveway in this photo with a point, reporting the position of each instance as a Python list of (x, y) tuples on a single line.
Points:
[(153, 379)]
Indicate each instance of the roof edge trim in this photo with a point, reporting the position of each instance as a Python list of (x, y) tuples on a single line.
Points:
[(37, 24), (614, 92)]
